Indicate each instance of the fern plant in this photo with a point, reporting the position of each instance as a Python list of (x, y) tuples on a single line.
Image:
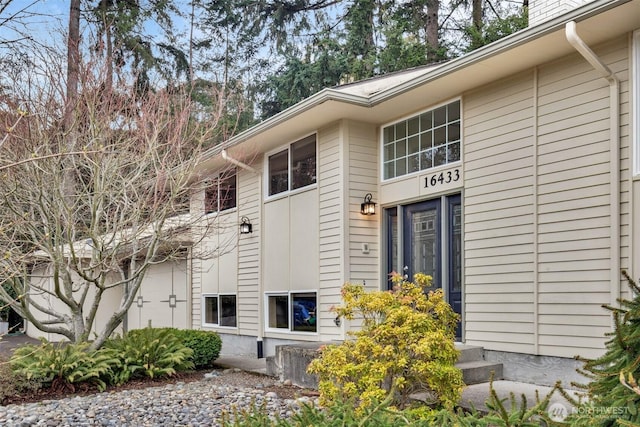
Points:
[(63, 366), (150, 352)]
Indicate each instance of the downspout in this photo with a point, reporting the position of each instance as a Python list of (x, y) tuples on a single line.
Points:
[(614, 151), (260, 333)]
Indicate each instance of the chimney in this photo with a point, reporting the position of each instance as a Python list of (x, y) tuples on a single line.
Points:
[(543, 10)]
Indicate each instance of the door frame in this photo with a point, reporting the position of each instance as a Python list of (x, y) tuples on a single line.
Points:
[(400, 213)]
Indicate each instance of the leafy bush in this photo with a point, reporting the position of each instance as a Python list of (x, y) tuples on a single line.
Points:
[(345, 414), (150, 352), (406, 343), (206, 345), (62, 366), (13, 383)]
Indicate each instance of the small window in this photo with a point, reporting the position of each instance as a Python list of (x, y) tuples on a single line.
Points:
[(425, 141), (279, 172), (221, 194), (292, 312), (293, 167), (220, 310)]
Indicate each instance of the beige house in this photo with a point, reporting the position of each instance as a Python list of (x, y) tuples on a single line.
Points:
[(510, 174)]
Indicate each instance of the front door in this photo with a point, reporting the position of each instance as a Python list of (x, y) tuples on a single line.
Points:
[(431, 244)]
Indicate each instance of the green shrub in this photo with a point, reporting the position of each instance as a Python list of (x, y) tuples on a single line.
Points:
[(406, 344), (612, 399), (149, 352), (206, 345), (62, 365), (13, 383)]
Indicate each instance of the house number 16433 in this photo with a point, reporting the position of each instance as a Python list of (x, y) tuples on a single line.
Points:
[(442, 178)]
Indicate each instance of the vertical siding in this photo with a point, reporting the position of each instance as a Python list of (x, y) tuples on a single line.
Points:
[(331, 226), (498, 215)]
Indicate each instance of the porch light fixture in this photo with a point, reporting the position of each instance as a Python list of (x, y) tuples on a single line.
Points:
[(245, 226), (368, 207)]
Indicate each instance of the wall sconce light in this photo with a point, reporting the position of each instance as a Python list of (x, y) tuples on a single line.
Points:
[(245, 226), (368, 207)]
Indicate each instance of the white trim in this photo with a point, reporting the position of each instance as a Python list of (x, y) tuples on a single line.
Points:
[(289, 330), (204, 314), (286, 147)]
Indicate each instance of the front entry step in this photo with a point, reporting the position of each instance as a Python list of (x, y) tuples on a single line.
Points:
[(474, 368), (290, 363)]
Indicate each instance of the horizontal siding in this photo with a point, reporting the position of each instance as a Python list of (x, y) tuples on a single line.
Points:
[(574, 205), (331, 230), (498, 206), (362, 179), (557, 214), (248, 296)]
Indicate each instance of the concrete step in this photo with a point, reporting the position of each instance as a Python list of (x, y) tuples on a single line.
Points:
[(479, 371), (469, 353)]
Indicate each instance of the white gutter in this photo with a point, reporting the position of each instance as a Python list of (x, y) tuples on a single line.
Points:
[(260, 332), (238, 163), (614, 151)]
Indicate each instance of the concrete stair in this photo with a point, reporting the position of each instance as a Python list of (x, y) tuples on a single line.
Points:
[(475, 369)]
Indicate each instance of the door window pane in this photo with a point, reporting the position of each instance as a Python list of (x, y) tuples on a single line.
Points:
[(456, 248), (424, 244)]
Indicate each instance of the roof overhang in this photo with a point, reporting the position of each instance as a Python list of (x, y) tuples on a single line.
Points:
[(597, 22)]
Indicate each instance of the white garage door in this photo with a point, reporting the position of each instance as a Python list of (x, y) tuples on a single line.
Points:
[(162, 297)]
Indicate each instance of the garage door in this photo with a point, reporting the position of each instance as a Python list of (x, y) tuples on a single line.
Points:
[(162, 297)]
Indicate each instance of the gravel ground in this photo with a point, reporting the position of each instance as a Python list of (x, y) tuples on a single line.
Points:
[(199, 403)]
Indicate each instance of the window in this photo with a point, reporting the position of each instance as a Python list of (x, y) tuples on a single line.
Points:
[(293, 167), (295, 311), (220, 195), (425, 141), (220, 310)]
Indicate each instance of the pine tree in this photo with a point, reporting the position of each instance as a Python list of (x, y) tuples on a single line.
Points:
[(611, 401)]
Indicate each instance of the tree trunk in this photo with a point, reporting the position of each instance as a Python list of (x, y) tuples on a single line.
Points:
[(476, 13), (73, 61), (431, 28)]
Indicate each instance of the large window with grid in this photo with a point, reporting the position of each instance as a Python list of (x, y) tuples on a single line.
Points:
[(422, 142)]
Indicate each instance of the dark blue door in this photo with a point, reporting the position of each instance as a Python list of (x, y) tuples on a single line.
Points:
[(431, 244)]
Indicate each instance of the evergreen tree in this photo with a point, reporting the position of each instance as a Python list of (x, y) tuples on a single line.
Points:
[(611, 401)]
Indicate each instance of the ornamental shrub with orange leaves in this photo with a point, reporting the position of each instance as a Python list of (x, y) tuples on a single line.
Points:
[(405, 345)]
